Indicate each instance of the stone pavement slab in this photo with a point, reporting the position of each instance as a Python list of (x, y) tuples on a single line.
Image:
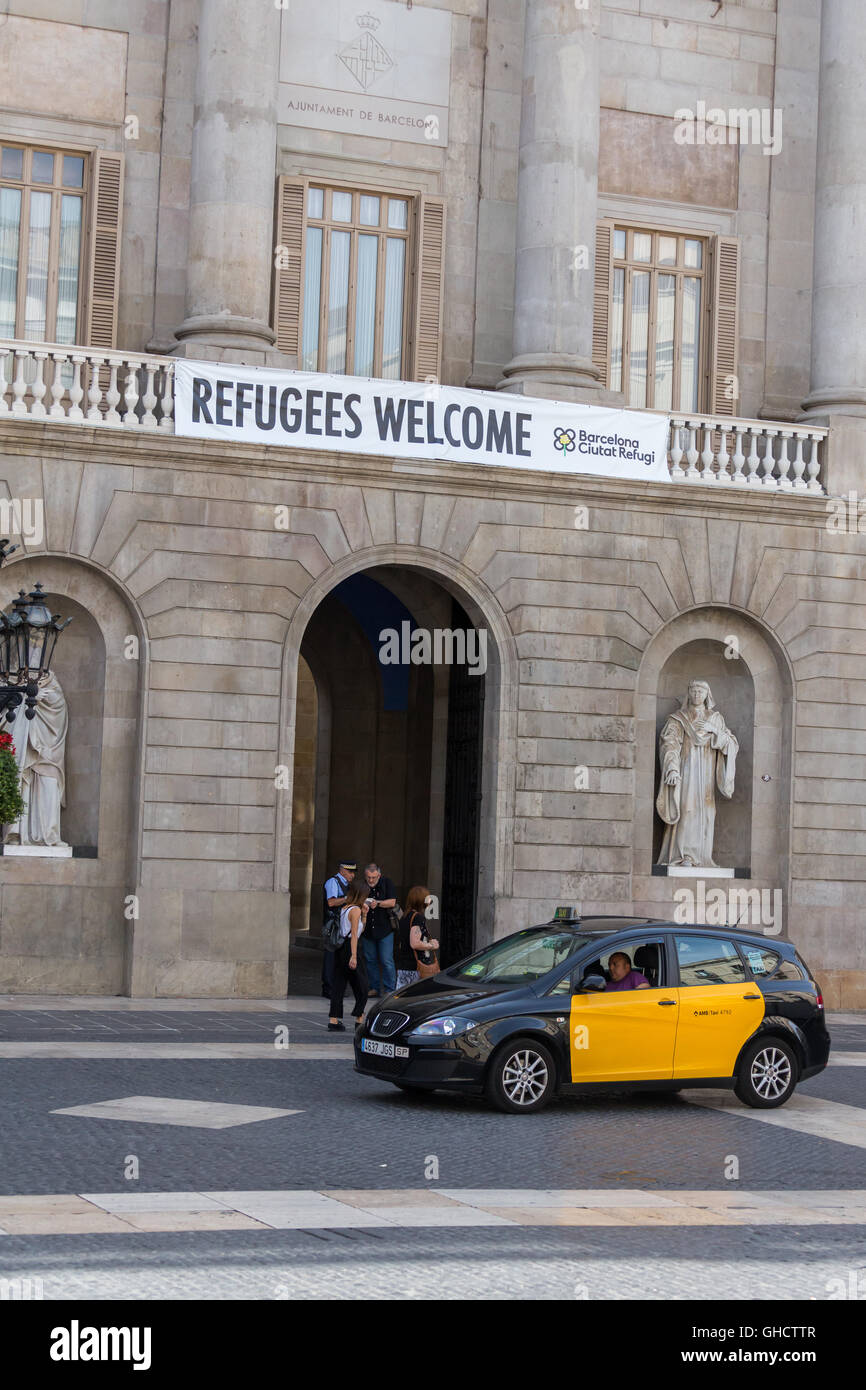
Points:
[(167, 1110)]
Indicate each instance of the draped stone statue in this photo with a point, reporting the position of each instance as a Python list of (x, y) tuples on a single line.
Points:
[(40, 747), (698, 757)]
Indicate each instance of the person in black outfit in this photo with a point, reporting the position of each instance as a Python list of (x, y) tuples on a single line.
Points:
[(378, 942), (348, 961)]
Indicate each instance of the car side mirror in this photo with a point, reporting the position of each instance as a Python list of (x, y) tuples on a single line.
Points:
[(592, 984)]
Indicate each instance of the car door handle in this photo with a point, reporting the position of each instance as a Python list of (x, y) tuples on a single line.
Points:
[(665, 1002), (753, 996)]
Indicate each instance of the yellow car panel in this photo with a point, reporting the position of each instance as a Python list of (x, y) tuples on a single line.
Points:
[(623, 1035), (714, 1021)]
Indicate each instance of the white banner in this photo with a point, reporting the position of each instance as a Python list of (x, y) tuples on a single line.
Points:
[(414, 420)]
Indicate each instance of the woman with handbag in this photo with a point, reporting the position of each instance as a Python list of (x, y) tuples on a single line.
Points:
[(414, 950), (348, 963)]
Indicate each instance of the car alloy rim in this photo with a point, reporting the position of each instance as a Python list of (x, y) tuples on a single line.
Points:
[(771, 1073), (524, 1077)]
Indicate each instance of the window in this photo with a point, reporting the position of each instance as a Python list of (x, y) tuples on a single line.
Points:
[(647, 957), (42, 196), (657, 313), (354, 282), (763, 962), (706, 960), (520, 959), (665, 318), (359, 287)]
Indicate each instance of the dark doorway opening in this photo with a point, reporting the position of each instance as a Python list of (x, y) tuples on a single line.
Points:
[(387, 760)]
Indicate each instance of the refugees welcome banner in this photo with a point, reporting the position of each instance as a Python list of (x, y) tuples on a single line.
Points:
[(414, 420)]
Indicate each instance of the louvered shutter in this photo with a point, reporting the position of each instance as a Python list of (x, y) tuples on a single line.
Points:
[(723, 335), (427, 335), (289, 268), (106, 209), (601, 307)]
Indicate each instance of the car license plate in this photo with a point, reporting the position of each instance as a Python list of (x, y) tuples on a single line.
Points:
[(383, 1049)]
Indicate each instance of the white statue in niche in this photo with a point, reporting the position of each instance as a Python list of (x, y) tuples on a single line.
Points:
[(40, 750), (698, 756)]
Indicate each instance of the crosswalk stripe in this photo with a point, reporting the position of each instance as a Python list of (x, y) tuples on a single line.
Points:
[(176, 1051), (825, 1119), (119, 1212)]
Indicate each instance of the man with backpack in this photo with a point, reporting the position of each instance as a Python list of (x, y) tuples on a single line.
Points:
[(333, 898)]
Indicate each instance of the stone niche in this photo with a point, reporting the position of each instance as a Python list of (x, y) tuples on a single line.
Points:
[(62, 923), (754, 693)]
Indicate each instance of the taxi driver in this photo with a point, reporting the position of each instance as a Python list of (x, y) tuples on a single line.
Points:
[(622, 975)]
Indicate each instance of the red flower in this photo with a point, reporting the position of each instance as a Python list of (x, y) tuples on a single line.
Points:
[(6, 742)]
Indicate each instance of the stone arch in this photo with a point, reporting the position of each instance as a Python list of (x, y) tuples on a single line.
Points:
[(707, 632), (64, 925), (500, 721)]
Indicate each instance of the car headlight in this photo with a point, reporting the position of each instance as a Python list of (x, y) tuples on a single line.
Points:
[(442, 1027)]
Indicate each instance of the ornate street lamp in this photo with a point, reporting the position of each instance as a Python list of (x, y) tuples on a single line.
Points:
[(28, 636)]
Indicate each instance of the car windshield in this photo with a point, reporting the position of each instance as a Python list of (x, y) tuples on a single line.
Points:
[(519, 959)]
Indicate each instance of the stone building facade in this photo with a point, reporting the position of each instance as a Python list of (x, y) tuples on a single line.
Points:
[(570, 176)]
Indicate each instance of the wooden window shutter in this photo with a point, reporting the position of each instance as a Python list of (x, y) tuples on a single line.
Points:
[(602, 306), (103, 270), (289, 269), (430, 264), (723, 333)]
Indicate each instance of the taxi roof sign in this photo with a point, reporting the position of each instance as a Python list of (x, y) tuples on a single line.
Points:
[(566, 914)]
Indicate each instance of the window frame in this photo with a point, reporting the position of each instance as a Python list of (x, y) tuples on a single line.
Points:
[(356, 229), (57, 192), (654, 268)]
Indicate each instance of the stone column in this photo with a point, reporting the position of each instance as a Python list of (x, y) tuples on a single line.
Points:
[(557, 195), (838, 375), (231, 234)]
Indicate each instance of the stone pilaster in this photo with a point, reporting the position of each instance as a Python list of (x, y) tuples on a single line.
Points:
[(231, 236), (556, 203)]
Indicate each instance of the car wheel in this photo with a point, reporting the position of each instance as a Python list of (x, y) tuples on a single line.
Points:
[(767, 1074), (522, 1077)]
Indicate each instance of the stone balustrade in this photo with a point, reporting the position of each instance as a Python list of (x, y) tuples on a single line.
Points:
[(121, 390), (48, 381), (723, 452)]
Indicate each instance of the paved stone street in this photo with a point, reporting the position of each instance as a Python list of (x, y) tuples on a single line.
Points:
[(212, 1156)]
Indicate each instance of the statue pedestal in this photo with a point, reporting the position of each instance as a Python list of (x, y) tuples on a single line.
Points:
[(38, 851), (695, 871)]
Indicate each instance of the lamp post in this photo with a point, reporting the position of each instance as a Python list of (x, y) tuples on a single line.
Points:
[(28, 636)]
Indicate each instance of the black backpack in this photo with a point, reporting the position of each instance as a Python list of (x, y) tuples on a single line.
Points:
[(331, 937)]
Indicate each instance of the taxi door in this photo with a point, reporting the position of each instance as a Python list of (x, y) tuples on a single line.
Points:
[(719, 1008), (624, 1035)]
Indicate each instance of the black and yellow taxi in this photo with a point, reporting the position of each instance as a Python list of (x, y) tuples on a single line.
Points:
[(627, 1003)]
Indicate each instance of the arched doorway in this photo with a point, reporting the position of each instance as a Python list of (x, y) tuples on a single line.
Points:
[(399, 686)]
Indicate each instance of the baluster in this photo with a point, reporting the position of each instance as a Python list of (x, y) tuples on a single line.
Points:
[(707, 456), (692, 452), (785, 484), (799, 464), (167, 421), (724, 457), (38, 389), (814, 466), (94, 394), (767, 479), (19, 385), (148, 419), (112, 395), (750, 463), (130, 395), (57, 387), (76, 390), (739, 457), (4, 408)]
